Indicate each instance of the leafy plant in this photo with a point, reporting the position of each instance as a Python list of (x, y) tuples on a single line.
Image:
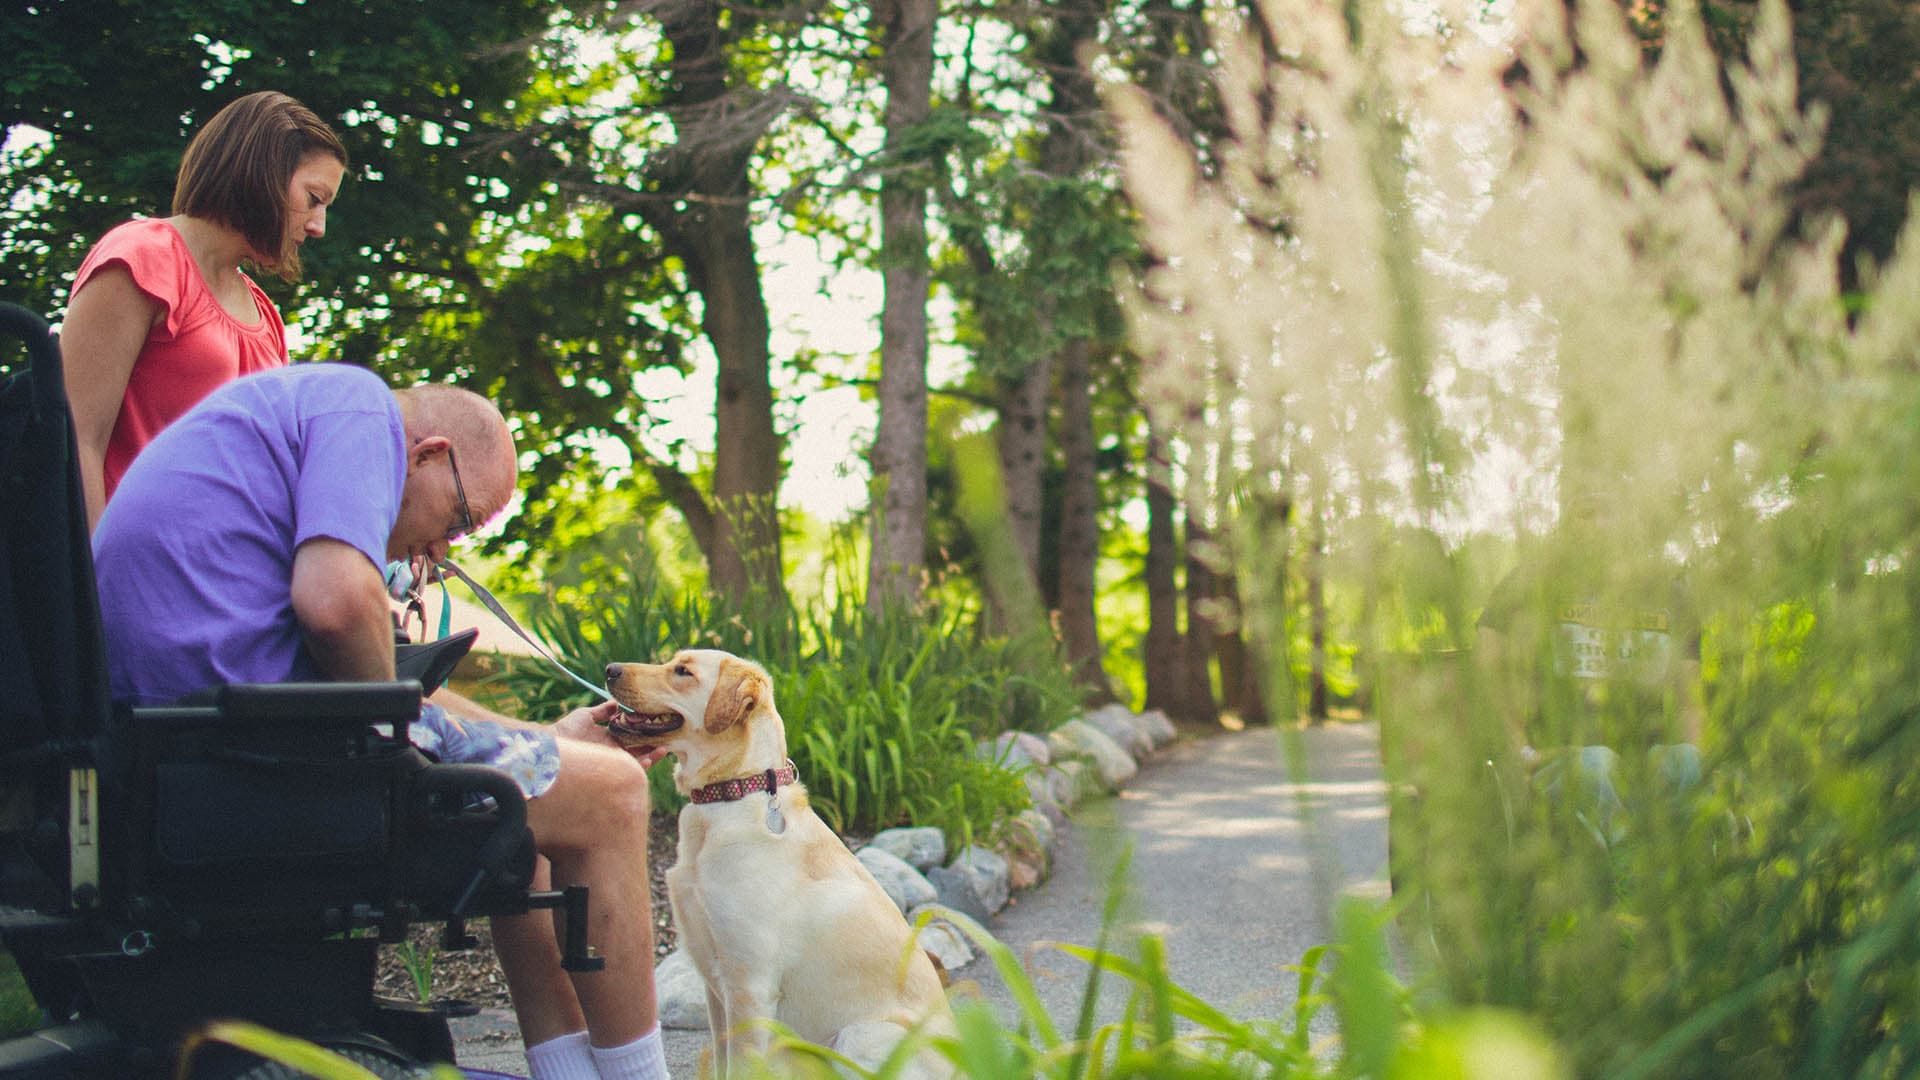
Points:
[(19, 1013), (416, 957), (883, 709), (308, 1058)]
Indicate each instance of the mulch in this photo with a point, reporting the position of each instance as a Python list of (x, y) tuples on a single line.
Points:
[(474, 975)]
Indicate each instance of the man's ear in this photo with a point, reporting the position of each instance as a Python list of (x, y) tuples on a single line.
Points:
[(740, 689), (426, 449)]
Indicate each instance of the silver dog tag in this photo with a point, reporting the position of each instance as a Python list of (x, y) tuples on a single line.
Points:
[(776, 821)]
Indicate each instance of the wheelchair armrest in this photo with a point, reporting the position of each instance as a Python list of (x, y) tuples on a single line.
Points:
[(245, 710), (368, 702), (504, 843)]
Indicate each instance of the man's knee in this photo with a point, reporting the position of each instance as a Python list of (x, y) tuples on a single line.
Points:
[(629, 797), (598, 796)]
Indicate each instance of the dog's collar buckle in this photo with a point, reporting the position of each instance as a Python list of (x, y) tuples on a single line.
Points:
[(742, 786)]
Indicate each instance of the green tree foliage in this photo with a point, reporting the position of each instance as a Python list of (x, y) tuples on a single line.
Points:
[(1856, 60), (1859, 58), (450, 256), (117, 86), (525, 214)]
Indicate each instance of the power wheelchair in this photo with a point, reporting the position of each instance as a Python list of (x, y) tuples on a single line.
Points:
[(239, 855)]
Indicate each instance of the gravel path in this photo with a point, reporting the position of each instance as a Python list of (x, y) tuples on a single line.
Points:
[(1223, 866)]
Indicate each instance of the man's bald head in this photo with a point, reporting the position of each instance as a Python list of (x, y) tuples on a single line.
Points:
[(489, 467)]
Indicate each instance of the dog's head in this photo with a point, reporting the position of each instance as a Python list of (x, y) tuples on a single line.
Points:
[(710, 709)]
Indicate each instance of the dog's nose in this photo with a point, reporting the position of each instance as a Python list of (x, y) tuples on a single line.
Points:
[(613, 672)]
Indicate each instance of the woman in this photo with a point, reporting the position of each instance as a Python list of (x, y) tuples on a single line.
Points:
[(160, 312)]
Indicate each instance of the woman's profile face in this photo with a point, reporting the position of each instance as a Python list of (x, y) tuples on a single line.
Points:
[(311, 189)]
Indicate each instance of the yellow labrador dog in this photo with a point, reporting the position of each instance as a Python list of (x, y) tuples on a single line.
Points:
[(778, 916)]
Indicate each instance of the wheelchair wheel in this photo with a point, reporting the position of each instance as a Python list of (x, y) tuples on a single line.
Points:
[(374, 1055)]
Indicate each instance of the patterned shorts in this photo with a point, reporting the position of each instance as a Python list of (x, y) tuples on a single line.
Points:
[(532, 758)]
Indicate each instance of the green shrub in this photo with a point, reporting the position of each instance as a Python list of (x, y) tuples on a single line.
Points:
[(882, 710)]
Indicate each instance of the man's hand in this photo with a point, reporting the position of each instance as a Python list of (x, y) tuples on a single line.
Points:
[(590, 725)]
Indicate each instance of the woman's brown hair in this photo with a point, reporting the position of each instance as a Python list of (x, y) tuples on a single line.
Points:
[(237, 168)]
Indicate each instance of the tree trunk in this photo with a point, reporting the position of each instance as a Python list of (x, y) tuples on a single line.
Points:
[(1229, 648), (1196, 653), (1022, 449), (1023, 457), (1249, 699), (1063, 154), (899, 513), (1079, 520), (711, 230), (746, 468), (1263, 633), (1317, 618), (1166, 688)]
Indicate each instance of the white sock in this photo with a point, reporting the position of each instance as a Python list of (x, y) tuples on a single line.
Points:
[(645, 1058), (565, 1058)]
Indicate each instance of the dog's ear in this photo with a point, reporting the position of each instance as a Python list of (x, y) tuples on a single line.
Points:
[(740, 689)]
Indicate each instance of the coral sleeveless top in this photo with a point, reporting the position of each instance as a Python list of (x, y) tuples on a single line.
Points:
[(196, 348)]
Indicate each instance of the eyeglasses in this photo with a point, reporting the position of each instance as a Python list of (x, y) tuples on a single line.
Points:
[(465, 525)]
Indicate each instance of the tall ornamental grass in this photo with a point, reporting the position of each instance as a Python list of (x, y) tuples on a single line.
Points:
[(1509, 268)]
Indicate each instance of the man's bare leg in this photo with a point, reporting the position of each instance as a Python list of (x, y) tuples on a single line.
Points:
[(593, 825), (529, 951)]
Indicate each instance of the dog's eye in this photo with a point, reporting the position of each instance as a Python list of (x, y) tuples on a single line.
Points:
[(682, 669)]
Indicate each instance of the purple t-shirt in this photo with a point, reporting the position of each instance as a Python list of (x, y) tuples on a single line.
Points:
[(194, 555)]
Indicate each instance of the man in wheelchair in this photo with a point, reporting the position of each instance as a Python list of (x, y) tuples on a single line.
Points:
[(244, 549)]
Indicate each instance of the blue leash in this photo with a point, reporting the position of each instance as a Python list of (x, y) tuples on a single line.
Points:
[(486, 598)]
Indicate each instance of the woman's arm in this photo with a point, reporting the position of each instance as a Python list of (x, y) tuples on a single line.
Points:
[(106, 326)]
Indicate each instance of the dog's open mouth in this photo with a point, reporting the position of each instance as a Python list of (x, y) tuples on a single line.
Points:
[(636, 727)]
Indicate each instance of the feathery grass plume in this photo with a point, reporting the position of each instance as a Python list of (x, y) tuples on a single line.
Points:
[(1519, 291)]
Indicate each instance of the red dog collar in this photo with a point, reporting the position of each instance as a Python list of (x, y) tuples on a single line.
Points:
[(742, 786)]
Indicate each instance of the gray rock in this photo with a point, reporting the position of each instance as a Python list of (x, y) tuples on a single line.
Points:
[(1082, 741), (988, 869), (903, 884), (1040, 790), (946, 941), (681, 993), (1039, 824), (1027, 842), (1052, 790), (1076, 780), (1158, 728), (956, 890), (1119, 723), (920, 847), (1015, 748)]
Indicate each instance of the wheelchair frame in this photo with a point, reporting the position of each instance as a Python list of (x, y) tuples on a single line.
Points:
[(242, 856)]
